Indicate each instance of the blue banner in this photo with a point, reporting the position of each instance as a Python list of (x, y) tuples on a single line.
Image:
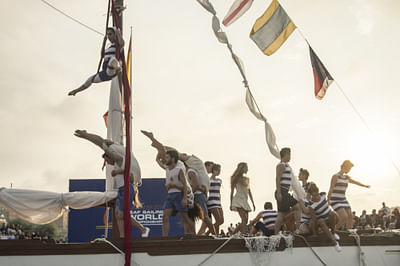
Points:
[(84, 225)]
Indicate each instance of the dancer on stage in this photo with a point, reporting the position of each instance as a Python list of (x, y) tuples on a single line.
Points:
[(239, 201), (337, 195)]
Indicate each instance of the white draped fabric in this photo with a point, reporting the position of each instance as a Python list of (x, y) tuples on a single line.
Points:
[(42, 207), (114, 128)]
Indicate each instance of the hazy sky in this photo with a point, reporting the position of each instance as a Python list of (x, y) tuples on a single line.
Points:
[(188, 91)]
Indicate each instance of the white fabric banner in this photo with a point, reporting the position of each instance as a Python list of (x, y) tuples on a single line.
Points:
[(42, 207)]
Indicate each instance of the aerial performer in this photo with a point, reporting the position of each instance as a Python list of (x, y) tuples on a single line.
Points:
[(336, 195), (239, 201), (111, 67), (114, 154)]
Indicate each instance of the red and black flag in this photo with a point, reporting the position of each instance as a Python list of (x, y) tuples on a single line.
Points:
[(322, 78)]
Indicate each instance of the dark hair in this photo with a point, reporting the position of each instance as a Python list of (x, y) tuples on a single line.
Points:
[(173, 154), (208, 163), (111, 28), (268, 205), (304, 172), (284, 151), (216, 167)]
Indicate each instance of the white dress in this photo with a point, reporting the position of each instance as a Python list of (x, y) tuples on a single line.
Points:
[(240, 199)]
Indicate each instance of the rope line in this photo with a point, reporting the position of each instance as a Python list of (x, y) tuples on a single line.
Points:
[(216, 251), (363, 120), (313, 251), (72, 18)]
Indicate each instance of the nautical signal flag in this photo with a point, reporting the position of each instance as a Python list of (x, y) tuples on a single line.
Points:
[(238, 8), (272, 29), (322, 78)]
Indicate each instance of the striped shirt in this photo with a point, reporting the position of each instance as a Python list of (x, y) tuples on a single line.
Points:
[(321, 208), (269, 218), (339, 190), (214, 196), (109, 52), (305, 218), (286, 178)]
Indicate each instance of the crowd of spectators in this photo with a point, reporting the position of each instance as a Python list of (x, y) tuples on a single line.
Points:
[(385, 218), (16, 232)]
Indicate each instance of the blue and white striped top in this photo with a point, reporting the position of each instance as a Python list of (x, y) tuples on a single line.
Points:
[(214, 196), (109, 52), (321, 208), (269, 218), (339, 190), (305, 218), (286, 178)]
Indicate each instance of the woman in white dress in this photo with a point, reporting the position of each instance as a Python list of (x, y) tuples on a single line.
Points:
[(239, 201)]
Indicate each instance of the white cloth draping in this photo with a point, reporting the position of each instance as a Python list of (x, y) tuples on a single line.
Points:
[(42, 207)]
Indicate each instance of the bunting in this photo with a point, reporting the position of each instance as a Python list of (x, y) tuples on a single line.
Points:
[(322, 78), (272, 29)]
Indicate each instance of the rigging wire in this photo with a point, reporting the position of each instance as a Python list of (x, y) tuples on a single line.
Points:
[(71, 18), (363, 121)]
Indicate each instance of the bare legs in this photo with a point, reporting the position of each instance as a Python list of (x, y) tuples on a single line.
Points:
[(120, 222), (244, 215), (344, 218), (279, 221), (165, 225), (95, 139), (92, 79)]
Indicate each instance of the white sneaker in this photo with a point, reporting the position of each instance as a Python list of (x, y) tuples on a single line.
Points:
[(146, 233), (338, 248), (336, 237)]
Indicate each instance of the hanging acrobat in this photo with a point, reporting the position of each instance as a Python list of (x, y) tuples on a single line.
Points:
[(111, 66)]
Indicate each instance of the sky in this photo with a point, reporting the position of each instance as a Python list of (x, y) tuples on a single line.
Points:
[(188, 91)]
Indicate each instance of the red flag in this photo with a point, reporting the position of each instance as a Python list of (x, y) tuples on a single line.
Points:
[(322, 78), (238, 8)]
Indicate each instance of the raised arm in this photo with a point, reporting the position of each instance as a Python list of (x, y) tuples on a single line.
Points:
[(95, 139), (351, 180), (333, 184)]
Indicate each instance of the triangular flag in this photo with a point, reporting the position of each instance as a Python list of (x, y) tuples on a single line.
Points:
[(322, 78)]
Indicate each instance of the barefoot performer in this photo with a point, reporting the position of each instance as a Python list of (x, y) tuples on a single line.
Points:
[(114, 154), (337, 198), (110, 67)]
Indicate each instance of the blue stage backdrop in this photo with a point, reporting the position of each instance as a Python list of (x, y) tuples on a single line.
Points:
[(84, 225)]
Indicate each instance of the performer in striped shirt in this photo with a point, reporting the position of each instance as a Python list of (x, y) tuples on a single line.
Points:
[(337, 195), (321, 212), (268, 216), (284, 200), (214, 199), (110, 66)]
